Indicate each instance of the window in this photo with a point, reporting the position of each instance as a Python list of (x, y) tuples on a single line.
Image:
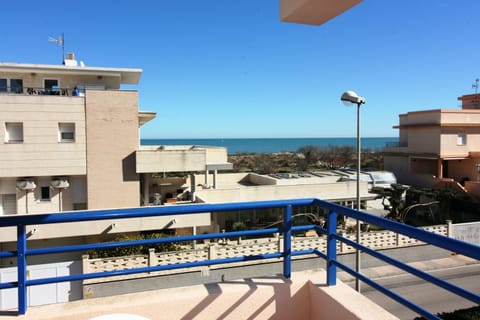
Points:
[(50, 83), (13, 132), (51, 86), (45, 194), (66, 132), (11, 85), (461, 139), (16, 85), (3, 85)]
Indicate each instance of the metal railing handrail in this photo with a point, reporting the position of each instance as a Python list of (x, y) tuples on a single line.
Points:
[(20, 222)]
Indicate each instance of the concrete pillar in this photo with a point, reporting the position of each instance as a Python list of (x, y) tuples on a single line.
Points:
[(212, 252), (60, 204), (193, 186), (152, 257), (215, 179), (146, 188), (85, 264), (439, 168), (206, 178), (449, 228), (194, 233)]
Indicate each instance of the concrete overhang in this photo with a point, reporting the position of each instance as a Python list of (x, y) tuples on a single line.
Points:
[(425, 157), (455, 158), (220, 166), (145, 116), (150, 159), (127, 76), (314, 12)]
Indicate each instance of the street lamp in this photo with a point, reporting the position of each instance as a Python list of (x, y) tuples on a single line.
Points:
[(349, 98)]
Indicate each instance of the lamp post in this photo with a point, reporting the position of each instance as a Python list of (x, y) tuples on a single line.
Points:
[(349, 98)]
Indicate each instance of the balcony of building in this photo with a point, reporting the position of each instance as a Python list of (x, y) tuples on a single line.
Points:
[(314, 294), (40, 79), (164, 159), (439, 118)]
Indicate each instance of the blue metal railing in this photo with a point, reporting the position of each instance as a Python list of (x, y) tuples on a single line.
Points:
[(334, 210)]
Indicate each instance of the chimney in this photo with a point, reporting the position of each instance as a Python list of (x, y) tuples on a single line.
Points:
[(470, 101), (70, 60)]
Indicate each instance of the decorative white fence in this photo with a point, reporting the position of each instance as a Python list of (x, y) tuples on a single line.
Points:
[(375, 239)]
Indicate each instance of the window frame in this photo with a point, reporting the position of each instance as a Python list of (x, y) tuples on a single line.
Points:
[(4, 88), (461, 138), (12, 127), (18, 89), (8, 86), (63, 128), (45, 189), (51, 89)]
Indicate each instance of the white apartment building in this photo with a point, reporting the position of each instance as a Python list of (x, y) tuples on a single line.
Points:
[(70, 141)]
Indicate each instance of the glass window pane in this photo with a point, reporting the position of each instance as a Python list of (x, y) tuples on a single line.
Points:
[(45, 194), (16, 85), (51, 84), (461, 139), (66, 132), (13, 132), (3, 85)]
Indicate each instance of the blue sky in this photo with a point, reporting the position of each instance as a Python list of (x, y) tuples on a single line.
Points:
[(225, 68)]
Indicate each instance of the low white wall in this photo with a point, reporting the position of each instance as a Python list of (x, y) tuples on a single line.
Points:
[(302, 297), (326, 191)]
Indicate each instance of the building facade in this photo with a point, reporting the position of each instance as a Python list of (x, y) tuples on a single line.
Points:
[(438, 145), (71, 142), (68, 138)]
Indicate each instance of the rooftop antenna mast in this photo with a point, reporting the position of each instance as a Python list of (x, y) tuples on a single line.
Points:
[(475, 86), (61, 42)]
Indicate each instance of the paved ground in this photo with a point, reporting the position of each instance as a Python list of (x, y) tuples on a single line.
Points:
[(428, 265)]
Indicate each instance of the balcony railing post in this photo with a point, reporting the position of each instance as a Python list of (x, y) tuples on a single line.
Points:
[(331, 248), (287, 242), (21, 268)]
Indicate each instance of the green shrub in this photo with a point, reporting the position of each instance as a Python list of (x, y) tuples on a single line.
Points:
[(134, 250)]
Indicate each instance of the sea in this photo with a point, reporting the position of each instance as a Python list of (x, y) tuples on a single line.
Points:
[(276, 145)]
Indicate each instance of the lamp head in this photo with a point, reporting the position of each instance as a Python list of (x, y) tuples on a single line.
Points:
[(350, 97)]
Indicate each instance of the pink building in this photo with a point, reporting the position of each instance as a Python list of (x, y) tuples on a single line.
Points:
[(438, 145)]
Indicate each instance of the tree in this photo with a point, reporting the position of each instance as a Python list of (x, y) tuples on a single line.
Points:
[(311, 155), (394, 196)]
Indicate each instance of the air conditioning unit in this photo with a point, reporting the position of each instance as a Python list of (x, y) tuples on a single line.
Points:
[(60, 183), (26, 184)]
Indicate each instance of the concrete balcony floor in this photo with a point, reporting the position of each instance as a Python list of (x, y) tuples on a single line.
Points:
[(304, 296)]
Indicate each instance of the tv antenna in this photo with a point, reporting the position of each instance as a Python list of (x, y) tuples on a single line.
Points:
[(475, 85), (61, 42)]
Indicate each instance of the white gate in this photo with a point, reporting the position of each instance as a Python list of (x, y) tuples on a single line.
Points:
[(8, 203), (42, 294)]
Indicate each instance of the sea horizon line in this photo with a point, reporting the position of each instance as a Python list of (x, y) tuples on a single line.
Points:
[(230, 138)]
